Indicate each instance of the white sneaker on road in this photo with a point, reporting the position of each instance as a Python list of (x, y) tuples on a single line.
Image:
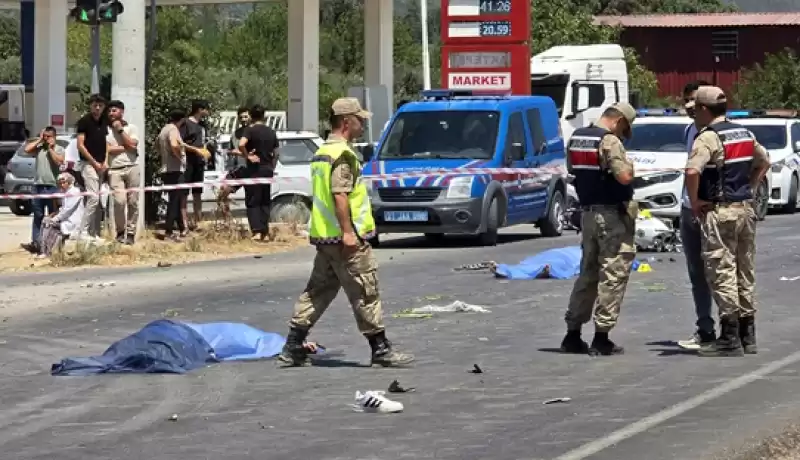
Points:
[(376, 402)]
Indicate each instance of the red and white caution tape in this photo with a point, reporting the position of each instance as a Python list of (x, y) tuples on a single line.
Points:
[(524, 172)]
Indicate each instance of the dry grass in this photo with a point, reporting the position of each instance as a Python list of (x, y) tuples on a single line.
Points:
[(785, 446), (216, 239)]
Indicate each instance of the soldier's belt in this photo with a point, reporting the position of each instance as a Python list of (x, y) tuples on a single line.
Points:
[(731, 204)]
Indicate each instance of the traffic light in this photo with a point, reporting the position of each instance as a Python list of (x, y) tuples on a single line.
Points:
[(94, 12), (109, 10), (85, 12)]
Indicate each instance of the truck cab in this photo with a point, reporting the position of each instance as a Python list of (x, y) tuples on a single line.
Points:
[(477, 138), (582, 81)]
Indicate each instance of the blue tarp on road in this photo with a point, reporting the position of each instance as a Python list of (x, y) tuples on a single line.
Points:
[(165, 346), (560, 263)]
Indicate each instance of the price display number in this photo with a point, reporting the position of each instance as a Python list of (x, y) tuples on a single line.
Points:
[(495, 29)]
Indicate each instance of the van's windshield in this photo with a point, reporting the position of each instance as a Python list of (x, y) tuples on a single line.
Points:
[(469, 134)]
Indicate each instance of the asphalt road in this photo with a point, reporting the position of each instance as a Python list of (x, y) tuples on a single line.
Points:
[(652, 403)]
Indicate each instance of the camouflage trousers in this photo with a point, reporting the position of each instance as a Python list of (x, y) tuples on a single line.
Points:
[(356, 273), (608, 253), (729, 246)]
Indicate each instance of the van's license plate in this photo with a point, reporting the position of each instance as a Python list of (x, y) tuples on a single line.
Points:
[(405, 216)]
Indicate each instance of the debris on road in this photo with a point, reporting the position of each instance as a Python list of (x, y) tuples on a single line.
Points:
[(656, 287), (100, 285), (476, 267), (557, 400), (173, 418), (407, 313), (476, 369), (794, 278), (453, 307), (395, 387), (163, 265)]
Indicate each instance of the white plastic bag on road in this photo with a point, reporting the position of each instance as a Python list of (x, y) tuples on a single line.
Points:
[(454, 307)]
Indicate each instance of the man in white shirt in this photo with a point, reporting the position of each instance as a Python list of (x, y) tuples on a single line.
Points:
[(690, 237), (124, 171)]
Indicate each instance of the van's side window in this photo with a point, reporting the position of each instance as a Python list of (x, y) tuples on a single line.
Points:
[(516, 135), (536, 130)]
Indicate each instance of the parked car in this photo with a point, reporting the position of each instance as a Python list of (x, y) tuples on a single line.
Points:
[(21, 171), (659, 141), (779, 133), (291, 200)]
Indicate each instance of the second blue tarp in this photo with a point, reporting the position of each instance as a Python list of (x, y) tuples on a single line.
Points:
[(559, 263)]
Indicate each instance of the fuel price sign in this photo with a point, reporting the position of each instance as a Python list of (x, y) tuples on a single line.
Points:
[(485, 21)]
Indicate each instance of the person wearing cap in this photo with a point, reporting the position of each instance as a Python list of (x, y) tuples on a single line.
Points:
[(691, 240), (341, 226), (724, 167), (603, 175)]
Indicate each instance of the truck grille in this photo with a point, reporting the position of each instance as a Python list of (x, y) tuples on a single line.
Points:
[(409, 194)]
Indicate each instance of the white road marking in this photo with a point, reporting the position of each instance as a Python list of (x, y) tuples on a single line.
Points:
[(647, 423)]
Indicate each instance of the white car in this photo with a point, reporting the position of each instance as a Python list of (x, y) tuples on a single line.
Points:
[(658, 151), (291, 200), (780, 135)]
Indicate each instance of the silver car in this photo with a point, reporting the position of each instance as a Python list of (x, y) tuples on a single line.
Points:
[(21, 171)]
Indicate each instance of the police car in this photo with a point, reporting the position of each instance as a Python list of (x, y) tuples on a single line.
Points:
[(450, 130), (779, 132), (659, 150)]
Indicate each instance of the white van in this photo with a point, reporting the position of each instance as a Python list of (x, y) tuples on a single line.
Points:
[(582, 80)]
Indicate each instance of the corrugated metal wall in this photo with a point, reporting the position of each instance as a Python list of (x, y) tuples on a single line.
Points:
[(682, 54)]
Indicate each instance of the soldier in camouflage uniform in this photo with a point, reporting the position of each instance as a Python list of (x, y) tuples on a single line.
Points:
[(603, 175), (725, 165)]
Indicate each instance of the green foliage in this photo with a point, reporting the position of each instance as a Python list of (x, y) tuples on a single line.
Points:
[(775, 84), (570, 23)]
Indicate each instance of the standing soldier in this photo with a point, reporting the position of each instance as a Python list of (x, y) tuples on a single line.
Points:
[(603, 176), (341, 224), (725, 165)]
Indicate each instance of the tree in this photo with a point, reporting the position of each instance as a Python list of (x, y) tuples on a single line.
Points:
[(773, 84), (568, 22)]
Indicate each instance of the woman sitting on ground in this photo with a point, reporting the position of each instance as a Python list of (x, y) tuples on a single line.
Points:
[(67, 222)]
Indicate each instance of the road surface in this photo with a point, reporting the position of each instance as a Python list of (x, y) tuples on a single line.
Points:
[(652, 403)]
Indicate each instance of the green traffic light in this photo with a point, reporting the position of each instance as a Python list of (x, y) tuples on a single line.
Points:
[(84, 16), (109, 14)]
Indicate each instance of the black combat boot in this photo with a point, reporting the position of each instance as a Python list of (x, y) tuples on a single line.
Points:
[(383, 354), (601, 345), (573, 343), (294, 353), (728, 343), (747, 334)]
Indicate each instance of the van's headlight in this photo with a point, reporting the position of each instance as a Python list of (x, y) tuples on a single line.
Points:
[(460, 187), (659, 178)]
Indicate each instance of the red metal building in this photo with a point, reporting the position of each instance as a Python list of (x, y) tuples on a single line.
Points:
[(714, 47)]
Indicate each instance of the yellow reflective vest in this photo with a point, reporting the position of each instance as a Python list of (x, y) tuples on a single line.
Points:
[(325, 227)]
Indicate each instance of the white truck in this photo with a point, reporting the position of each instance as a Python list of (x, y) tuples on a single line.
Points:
[(582, 80)]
